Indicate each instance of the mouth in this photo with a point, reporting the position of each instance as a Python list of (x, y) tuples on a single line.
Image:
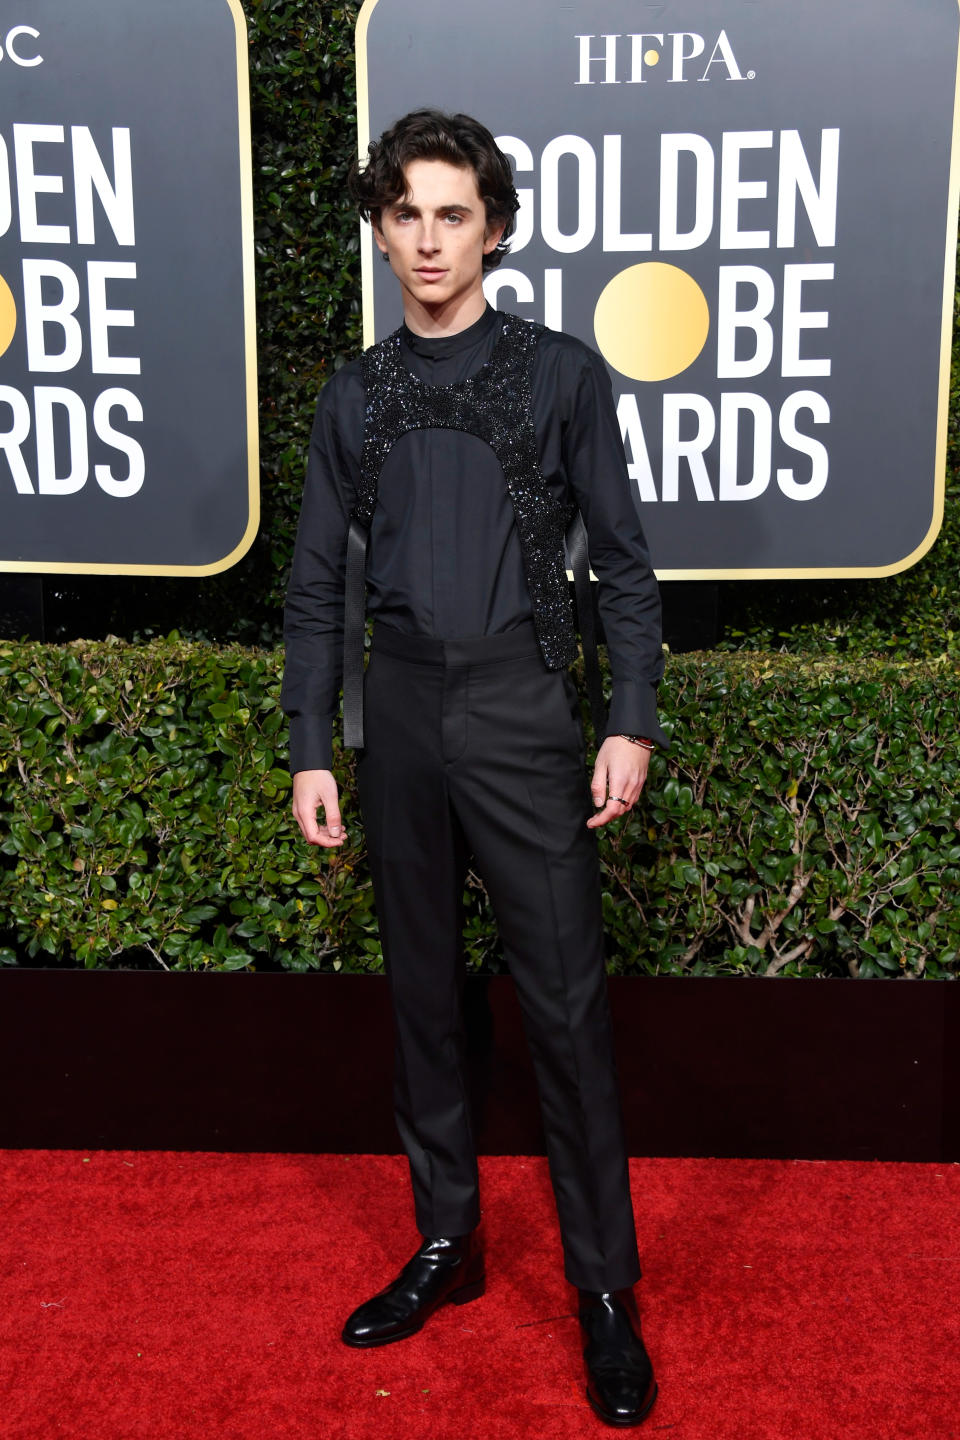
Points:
[(429, 272)]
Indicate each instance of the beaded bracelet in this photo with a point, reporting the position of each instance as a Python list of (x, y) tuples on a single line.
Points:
[(639, 740)]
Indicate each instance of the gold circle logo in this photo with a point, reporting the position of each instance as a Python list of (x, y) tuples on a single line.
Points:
[(8, 316), (651, 321)]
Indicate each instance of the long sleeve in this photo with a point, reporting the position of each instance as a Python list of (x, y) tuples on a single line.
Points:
[(313, 617), (628, 597)]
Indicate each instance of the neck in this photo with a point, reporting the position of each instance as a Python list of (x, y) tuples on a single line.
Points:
[(432, 322)]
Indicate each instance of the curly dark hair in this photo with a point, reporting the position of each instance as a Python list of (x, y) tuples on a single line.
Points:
[(433, 135)]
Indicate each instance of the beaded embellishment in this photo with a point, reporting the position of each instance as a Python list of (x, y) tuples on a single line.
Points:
[(496, 405)]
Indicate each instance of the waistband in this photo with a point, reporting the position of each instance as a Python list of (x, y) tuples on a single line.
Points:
[(478, 650)]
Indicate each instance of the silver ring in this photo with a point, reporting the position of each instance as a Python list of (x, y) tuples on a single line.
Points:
[(619, 799)]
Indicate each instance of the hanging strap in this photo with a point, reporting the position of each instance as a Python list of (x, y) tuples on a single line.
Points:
[(354, 624), (580, 565)]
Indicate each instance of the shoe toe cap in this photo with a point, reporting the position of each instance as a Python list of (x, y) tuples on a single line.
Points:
[(367, 1324), (623, 1400)]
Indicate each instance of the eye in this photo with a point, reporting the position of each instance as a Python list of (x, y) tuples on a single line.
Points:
[(453, 218)]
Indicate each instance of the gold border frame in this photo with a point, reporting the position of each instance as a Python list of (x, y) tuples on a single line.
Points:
[(56, 567), (949, 286), (363, 140)]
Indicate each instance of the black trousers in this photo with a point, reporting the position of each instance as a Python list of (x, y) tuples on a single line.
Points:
[(474, 748)]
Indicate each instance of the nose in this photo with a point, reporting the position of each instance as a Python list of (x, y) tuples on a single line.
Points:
[(428, 243)]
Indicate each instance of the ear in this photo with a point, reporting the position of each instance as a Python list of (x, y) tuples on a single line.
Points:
[(492, 236), (378, 233)]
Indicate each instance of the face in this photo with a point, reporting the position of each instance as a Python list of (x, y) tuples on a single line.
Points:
[(436, 238)]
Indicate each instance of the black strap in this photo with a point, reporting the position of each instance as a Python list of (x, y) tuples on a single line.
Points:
[(354, 625), (582, 589)]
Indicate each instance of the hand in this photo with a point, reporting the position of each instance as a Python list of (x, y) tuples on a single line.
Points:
[(621, 771), (313, 789)]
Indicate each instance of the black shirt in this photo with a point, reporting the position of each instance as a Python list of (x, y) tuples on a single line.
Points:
[(444, 553)]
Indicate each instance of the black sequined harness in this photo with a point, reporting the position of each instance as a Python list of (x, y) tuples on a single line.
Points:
[(496, 405)]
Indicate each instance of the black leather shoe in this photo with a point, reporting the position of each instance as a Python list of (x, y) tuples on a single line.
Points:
[(444, 1269), (621, 1387)]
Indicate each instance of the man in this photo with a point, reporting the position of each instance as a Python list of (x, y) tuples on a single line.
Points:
[(444, 468)]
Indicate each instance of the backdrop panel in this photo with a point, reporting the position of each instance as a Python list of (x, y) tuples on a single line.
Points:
[(127, 346), (750, 210)]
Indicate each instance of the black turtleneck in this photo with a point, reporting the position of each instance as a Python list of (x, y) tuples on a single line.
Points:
[(444, 555)]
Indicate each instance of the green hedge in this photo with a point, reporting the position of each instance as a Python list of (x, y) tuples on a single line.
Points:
[(303, 115), (806, 822)]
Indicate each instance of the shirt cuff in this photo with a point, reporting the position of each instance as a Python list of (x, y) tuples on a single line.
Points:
[(633, 711), (311, 742)]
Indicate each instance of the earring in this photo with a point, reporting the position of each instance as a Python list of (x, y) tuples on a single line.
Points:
[(385, 254)]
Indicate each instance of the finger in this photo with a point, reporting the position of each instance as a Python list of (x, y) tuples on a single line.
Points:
[(598, 783), (328, 835), (332, 813), (307, 821), (611, 811), (315, 834), (628, 791), (329, 797), (621, 785)]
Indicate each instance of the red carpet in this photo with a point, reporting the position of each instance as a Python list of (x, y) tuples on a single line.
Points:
[(152, 1296)]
